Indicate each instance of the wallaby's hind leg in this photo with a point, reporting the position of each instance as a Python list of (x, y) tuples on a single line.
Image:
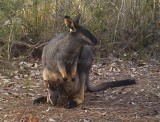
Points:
[(62, 70), (74, 69), (79, 98)]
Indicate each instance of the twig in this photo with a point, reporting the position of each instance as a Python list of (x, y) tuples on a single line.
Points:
[(118, 19), (9, 43)]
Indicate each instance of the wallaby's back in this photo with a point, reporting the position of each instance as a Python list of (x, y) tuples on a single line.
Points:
[(48, 48)]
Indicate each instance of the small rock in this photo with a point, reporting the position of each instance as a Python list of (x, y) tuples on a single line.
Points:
[(5, 94), (17, 77), (51, 120), (104, 114), (86, 120), (158, 95), (132, 103), (6, 81), (123, 92), (133, 69), (136, 93), (48, 109), (94, 66)]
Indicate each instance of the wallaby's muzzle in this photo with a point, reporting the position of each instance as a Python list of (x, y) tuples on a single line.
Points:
[(94, 41)]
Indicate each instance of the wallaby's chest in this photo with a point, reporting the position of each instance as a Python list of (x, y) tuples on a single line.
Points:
[(67, 50)]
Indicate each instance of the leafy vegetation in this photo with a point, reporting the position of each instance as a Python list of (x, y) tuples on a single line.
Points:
[(123, 27)]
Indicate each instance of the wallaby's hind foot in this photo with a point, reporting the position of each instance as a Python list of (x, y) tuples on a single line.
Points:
[(75, 102), (71, 104), (65, 79)]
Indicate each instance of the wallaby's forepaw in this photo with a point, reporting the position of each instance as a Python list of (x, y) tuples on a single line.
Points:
[(73, 76), (65, 79), (73, 79), (42, 99), (71, 104)]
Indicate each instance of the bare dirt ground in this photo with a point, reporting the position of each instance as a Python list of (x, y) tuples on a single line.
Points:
[(135, 103)]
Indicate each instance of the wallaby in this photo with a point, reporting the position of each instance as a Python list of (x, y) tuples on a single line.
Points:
[(83, 62), (60, 58)]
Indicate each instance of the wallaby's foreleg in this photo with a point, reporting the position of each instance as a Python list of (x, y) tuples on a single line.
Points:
[(62, 70), (74, 69)]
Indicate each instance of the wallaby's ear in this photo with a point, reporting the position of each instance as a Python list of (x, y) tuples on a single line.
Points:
[(77, 18), (70, 23)]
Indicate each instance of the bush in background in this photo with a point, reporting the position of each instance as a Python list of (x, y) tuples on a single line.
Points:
[(125, 28)]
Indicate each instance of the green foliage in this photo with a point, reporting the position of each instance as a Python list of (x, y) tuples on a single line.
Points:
[(122, 26), (10, 7), (28, 83)]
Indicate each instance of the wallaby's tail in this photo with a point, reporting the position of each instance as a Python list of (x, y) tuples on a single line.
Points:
[(105, 85)]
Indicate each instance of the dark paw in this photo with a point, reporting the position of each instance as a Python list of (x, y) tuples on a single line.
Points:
[(39, 100), (58, 80), (65, 79), (73, 79), (71, 104)]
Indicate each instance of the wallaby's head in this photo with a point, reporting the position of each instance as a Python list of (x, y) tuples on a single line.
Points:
[(77, 31)]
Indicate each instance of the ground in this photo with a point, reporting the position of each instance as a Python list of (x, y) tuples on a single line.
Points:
[(137, 103)]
